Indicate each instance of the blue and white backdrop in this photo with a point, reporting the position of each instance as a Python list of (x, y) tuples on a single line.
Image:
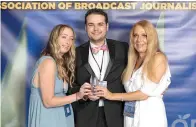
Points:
[(25, 33)]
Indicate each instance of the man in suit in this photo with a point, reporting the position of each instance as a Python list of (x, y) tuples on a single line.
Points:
[(105, 59)]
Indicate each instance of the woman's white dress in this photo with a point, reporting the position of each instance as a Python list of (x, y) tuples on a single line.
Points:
[(150, 112)]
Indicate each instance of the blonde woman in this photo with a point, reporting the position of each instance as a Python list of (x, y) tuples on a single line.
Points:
[(53, 75), (145, 78)]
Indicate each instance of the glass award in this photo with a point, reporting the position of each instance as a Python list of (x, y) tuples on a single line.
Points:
[(93, 81)]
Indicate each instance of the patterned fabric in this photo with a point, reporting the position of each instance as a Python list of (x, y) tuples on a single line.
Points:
[(95, 50)]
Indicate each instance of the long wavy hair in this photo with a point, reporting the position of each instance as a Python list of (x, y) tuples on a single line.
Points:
[(66, 63), (152, 48)]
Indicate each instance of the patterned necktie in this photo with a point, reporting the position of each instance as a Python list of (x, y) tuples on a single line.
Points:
[(95, 50)]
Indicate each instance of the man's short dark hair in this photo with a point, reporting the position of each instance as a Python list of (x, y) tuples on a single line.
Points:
[(96, 11)]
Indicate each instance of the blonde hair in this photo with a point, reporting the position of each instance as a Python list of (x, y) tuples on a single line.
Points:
[(152, 48), (66, 63)]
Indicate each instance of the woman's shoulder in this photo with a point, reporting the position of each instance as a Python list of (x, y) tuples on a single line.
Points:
[(159, 58), (159, 67), (47, 62)]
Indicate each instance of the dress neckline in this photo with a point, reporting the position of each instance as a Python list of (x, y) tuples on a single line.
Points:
[(134, 71)]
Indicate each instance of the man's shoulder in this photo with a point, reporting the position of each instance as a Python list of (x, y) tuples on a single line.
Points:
[(82, 45), (117, 43), (114, 41)]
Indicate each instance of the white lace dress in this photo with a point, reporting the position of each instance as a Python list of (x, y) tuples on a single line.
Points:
[(150, 112)]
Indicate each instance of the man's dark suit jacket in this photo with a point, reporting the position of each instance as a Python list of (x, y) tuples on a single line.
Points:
[(86, 112)]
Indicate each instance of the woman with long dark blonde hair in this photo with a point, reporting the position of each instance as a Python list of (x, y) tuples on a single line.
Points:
[(53, 75), (145, 79)]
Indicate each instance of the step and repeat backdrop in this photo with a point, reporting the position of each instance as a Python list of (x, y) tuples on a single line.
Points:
[(25, 27)]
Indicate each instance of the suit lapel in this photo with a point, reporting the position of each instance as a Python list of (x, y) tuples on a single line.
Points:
[(84, 55), (111, 48)]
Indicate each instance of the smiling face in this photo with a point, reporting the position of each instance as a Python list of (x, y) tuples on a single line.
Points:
[(65, 40), (96, 28), (140, 39)]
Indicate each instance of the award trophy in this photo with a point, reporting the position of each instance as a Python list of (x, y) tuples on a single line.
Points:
[(103, 83), (93, 81)]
